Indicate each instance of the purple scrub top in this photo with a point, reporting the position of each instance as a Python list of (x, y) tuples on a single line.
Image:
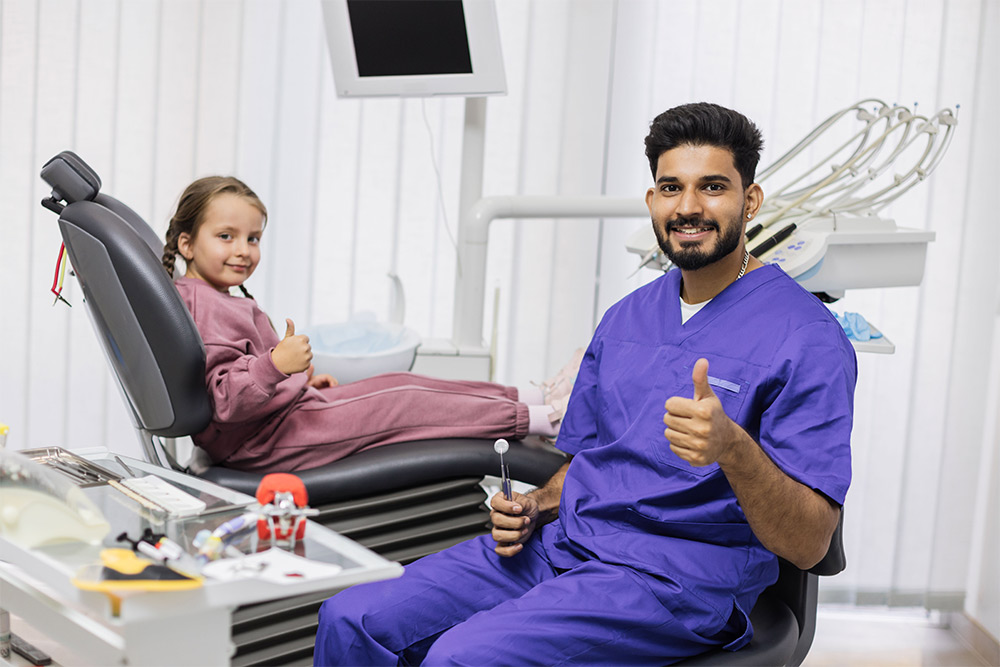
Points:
[(784, 371)]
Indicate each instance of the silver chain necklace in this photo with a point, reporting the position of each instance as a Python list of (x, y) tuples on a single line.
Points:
[(746, 258)]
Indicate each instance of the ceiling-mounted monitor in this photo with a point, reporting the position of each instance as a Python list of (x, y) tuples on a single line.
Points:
[(414, 48)]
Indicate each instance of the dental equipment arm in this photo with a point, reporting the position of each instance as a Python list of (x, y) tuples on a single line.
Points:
[(860, 168), (820, 129), (805, 216)]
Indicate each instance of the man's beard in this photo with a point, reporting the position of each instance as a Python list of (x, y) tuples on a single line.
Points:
[(692, 258)]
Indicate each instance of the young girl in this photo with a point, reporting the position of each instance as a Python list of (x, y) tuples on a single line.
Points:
[(269, 411)]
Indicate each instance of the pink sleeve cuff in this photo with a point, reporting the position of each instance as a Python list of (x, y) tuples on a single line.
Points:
[(264, 373)]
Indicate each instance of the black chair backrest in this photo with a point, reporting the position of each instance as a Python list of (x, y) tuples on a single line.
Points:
[(835, 559), (145, 328), (799, 589)]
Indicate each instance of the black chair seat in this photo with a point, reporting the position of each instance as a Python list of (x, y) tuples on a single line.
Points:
[(775, 635), (393, 467)]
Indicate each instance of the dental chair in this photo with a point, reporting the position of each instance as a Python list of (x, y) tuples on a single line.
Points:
[(403, 501)]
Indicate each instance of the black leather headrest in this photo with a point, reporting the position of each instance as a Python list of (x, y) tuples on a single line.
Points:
[(71, 178)]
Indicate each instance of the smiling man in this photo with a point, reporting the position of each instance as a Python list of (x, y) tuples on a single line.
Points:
[(708, 432)]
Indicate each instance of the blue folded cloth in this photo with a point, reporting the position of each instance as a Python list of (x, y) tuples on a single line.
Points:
[(857, 327)]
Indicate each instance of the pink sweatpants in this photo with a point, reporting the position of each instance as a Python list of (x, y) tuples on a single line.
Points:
[(385, 409)]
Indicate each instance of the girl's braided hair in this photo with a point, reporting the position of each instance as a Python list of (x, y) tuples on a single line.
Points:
[(191, 212)]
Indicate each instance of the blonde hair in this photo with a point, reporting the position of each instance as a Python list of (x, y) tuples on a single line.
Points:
[(191, 212)]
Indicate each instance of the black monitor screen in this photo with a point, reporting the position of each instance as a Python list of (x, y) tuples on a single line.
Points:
[(409, 37)]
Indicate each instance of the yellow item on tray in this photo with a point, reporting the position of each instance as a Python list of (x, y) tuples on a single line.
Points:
[(122, 570)]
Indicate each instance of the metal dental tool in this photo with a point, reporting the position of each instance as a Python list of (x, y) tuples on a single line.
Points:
[(501, 446), (128, 470)]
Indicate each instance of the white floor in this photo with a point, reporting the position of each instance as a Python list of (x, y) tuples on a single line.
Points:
[(845, 637), (849, 637)]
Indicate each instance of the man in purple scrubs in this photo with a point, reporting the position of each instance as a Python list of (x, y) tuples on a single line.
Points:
[(708, 431)]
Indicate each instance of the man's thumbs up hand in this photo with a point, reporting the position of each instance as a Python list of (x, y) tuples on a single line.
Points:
[(699, 376), (293, 354), (698, 429)]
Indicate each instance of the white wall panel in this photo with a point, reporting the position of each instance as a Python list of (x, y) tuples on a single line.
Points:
[(980, 269), (377, 194), (867, 45), (839, 57), (419, 248), (218, 93), (287, 293), (52, 128), (18, 50), (261, 65), (582, 172), (178, 72), (336, 206), (626, 172), (135, 110), (881, 444), (793, 96), (449, 137), (936, 320), (539, 167), (88, 381), (502, 175), (675, 54), (977, 265), (713, 56), (756, 67)]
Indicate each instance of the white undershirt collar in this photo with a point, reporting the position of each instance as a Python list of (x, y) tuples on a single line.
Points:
[(688, 310)]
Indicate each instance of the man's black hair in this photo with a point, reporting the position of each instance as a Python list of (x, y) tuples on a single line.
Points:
[(706, 124)]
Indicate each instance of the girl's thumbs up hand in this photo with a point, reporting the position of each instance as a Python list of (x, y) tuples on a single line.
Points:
[(293, 354)]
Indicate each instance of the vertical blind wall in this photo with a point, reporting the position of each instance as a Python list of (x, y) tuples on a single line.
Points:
[(154, 94)]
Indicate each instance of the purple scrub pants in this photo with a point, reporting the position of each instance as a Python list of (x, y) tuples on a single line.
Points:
[(468, 606)]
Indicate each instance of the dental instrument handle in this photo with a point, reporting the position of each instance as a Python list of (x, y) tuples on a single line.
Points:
[(646, 259), (122, 464), (778, 237), (501, 446)]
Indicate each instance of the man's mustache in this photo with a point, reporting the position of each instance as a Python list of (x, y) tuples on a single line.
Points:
[(691, 222)]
